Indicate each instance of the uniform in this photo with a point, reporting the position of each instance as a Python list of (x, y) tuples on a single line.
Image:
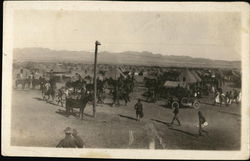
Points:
[(68, 142), (202, 120), (176, 112), (139, 110), (79, 141)]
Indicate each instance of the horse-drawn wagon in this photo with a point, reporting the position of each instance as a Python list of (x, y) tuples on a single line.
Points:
[(184, 102), (77, 99), (178, 96)]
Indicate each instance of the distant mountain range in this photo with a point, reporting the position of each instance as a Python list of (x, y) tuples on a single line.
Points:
[(128, 57)]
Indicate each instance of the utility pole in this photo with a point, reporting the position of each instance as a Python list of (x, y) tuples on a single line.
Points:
[(94, 103)]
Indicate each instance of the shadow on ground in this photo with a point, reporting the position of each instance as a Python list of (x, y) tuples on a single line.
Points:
[(64, 113), (165, 123), (184, 132), (166, 106), (37, 98), (128, 117)]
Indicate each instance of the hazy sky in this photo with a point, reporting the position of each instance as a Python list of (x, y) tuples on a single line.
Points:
[(201, 34)]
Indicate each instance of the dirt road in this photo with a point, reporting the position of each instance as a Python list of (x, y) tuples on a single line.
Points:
[(41, 124)]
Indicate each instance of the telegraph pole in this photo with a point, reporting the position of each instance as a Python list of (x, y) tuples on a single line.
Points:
[(94, 103)]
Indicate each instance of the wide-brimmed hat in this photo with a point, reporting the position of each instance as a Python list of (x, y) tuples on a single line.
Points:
[(68, 130)]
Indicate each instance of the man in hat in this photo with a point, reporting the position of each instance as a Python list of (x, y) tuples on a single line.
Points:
[(69, 141), (78, 139), (202, 123), (176, 113), (139, 110)]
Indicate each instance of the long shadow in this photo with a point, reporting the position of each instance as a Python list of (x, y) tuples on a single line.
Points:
[(75, 113), (128, 117), (234, 114), (166, 106), (165, 123), (52, 103), (64, 113), (145, 100), (211, 104), (110, 104), (184, 132), (37, 98), (55, 104), (88, 115)]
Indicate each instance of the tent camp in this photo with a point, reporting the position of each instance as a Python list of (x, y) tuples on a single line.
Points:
[(114, 73), (187, 77), (197, 77), (173, 84)]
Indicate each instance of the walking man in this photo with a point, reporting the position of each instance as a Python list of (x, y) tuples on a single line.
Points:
[(69, 141), (202, 123), (176, 117), (139, 110)]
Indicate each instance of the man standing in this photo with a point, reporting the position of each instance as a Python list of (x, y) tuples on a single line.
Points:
[(202, 123), (176, 112), (139, 110), (79, 140), (69, 141)]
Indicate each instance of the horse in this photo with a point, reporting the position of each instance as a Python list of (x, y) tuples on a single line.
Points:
[(120, 94), (23, 82), (80, 103), (35, 82), (60, 93), (47, 90)]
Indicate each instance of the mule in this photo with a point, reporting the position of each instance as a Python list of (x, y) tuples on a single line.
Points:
[(80, 103), (35, 83), (48, 91), (23, 82)]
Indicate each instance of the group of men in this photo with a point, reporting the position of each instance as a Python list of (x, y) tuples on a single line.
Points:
[(121, 89), (71, 139), (228, 98), (31, 80)]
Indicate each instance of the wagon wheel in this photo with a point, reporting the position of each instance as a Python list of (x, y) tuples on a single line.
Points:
[(196, 104), (184, 100), (175, 104)]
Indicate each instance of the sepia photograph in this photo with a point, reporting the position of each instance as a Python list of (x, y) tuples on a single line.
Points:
[(126, 80)]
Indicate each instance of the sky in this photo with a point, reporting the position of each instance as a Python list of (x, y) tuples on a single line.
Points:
[(213, 35)]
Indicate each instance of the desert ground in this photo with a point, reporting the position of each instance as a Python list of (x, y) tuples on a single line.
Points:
[(39, 124)]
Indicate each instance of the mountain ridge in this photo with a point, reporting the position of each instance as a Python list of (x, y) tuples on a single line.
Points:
[(126, 57)]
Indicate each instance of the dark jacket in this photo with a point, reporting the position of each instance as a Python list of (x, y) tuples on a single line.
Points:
[(79, 141), (67, 142), (176, 111), (138, 107), (202, 120)]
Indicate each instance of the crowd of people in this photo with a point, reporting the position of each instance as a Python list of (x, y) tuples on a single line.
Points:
[(120, 89), (232, 96)]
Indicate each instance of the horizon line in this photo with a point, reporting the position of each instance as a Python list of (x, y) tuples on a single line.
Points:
[(153, 53)]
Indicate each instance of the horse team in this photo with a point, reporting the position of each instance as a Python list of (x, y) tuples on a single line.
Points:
[(76, 93)]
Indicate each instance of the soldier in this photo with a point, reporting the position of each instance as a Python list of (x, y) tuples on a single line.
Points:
[(60, 96), (69, 141), (202, 123), (79, 141), (176, 112), (139, 110), (41, 81), (235, 96)]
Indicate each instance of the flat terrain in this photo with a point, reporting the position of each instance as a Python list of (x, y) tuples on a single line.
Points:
[(40, 124)]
